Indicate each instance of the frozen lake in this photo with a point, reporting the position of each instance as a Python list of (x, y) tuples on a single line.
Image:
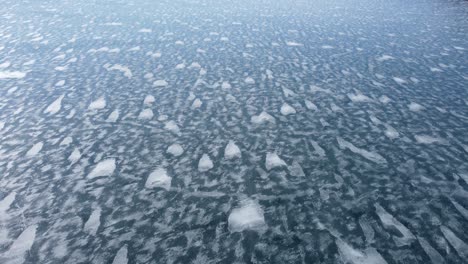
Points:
[(215, 131)]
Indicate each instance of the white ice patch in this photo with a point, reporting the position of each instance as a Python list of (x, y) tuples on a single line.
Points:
[(160, 83), (384, 99), (36, 148), (249, 80), (372, 156), (94, 221), (310, 105), (158, 178), (272, 160), (415, 107), (74, 156), (123, 69), (262, 118), (349, 255), (17, 252), (103, 168), (391, 132), (205, 163), (113, 116), (100, 103), (248, 216), (425, 139), (459, 245), (319, 150), (225, 85), (149, 99), (172, 126), (294, 44), (287, 109), (399, 80), (55, 106), (390, 222), (180, 66), (327, 47), (66, 141), (121, 256), (232, 150), (145, 30), (359, 98), (60, 83), (197, 103), (175, 150), (385, 58), (6, 203), (146, 114), (12, 75)]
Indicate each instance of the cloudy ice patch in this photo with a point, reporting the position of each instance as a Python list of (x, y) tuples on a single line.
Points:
[(175, 150), (272, 160), (172, 126), (103, 168), (399, 80), (359, 98), (391, 132), (180, 66), (350, 255), (310, 105), (146, 114), (94, 221), (145, 30), (384, 99), (415, 107), (433, 255), (249, 215), (66, 141), (16, 254), (225, 85), (232, 150), (60, 83), (5, 204), (327, 47), (74, 156), (372, 156), (100, 103), (5, 64), (316, 89), (262, 118), (35, 149), (249, 80), (389, 222), (158, 179), (319, 150), (121, 256), (459, 245), (197, 103), (426, 139), (12, 75), (160, 83), (55, 106), (123, 69), (294, 44), (205, 163), (149, 99), (385, 58), (113, 116), (287, 109)]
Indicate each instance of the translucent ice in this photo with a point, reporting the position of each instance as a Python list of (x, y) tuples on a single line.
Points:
[(272, 160), (158, 178), (103, 168), (248, 216)]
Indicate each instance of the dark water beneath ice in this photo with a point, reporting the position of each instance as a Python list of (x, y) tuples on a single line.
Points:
[(234, 131)]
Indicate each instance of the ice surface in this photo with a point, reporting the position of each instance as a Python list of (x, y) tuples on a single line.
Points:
[(262, 118), (310, 105), (55, 106), (172, 126), (426, 139), (226, 85), (158, 178), (103, 168), (372, 156), (124, 69), (146, 114), (349, 255), (272, 160), (249, 80), (232, 150), (197, 103), (435, 257), (16, 254), (94, 221), (358, 98), (287, 109), (459, 245), (113, 116), (248, 216), (12, 75), (205, 163), (100, 103), (294, 44), (160, 83), (415, 107), (74, 156), (149, 99), (121, 256), (390, 222), (175, 150), (35, 149), (5, 204)]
